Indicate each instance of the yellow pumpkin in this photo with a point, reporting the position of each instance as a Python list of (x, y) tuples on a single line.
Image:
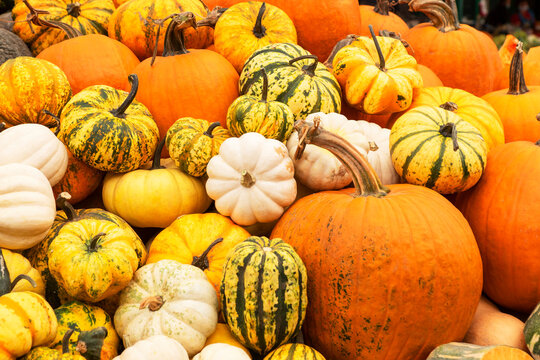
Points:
[(223, 335), (18, 265)]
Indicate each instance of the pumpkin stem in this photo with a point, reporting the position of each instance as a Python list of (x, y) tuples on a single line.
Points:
[(396, 36), (449, 130), (5, 285), (95, 337), (65, 341), (538, 143), (517, 84), (174, 36), (212, 18), (264, 97), (74, 9), (202, 261), (382, 62), (153, 303), (450, 106), (55, 125), (247, 179), (364, 177), (211, 128), (308, 69), (63, 204), (442, 14), (156, 160), (340, 45), (21, 277), (259, 30), (94, 241), (120, 111), (33, 18), (382, 7), (3, 126), (373, 146)]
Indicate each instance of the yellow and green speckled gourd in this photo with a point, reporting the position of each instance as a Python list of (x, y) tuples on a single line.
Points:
[(18, 266), (437, 149), (296, 352), (108, 129), (264, 293), (193, 142), (296, 78), (47, 353), (272, 119), (27, 87)]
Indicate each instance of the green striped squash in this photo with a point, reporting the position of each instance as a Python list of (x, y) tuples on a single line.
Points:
[(435, 148), (263, 293), (108, 130), (296, 352), (532, 331), (295, 77)]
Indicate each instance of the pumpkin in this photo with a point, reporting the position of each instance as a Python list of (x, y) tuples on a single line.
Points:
[(119, 133), (86, 16), (461, 56), (222, 352), (295, 351), (465, 351), (12, 266), (251, 179), (201, 240), (11, 46), (223, 335), (386, 237), (37, 146), (42, 353), (530, 66), (249, 26), (193, 142), (168, 298), (263, 293), (504, 223), (531, 332), (154, 348), (171, 86), (318, 169), (295, 78), (29, 86), (506, 53), (429, 78), (518, 105), (27, 206), (380, 17), (378, 75), (272, 119), (81, 58)]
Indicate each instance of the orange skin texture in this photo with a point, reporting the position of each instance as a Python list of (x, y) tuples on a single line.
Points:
[(465, 59), (531, 64), (390, 22), (82, 61), (428, 76), (502, 210), (388, 278)]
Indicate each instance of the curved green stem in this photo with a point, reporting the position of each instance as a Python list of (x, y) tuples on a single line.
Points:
[(63, 204), (120, 111), (211, 128), (65, 341), (449, 130), (382, 62), (202, 261), (259, 30), (340, 45), (308, 69), (156, 160), (94, 241), (56, 121)]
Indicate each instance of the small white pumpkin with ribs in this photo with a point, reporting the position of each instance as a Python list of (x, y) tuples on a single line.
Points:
[(157, 347)]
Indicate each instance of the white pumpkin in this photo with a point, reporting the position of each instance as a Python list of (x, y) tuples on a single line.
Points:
[(220, 351), (157, 347), (37, 146), (318, 169), (168, 298), (251, 179), (27, 206)]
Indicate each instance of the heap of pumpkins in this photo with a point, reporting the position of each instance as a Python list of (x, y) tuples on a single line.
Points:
[(265, 180)]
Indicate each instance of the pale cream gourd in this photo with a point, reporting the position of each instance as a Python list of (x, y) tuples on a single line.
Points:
[(251, 179), (318, 169), (168, 298), (157, 347), (27, 206), (220, 351), (37, 146)]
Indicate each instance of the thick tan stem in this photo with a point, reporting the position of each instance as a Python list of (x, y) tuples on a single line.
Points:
[(153, 303), (517, 84), (450, 106), (340, 45), (247, 179), (443, 16)]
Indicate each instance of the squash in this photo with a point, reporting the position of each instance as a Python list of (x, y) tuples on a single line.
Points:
[(531, 332), (381, 18), (221, 352), (42, 353), (249, 26), (13, 265), (119, 133), (168, 298), (11, 46), (272, 119), (193, 142), (223, 335), (154, 197), (296, 352), (241, 183), (37, 146), (27, 206), (29, 86), (157, 347), (264, 293), (463, 351)]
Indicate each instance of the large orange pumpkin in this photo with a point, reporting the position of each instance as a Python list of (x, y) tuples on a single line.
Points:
[(392, 272), (531, 64), (380, 17)]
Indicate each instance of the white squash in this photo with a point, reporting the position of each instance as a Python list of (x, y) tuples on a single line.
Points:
[(251, 179), (37, 146), (157, 347), (168, 298), (318, 169), (27, 206), (220, 351)]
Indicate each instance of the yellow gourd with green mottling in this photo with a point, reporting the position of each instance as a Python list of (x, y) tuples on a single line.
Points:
[(296, 352), (18, 265), (46, 353)]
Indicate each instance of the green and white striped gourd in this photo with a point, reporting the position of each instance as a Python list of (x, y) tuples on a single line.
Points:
[(532, 332), (464, 351)]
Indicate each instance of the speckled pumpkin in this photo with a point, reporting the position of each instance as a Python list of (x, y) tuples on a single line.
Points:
[(109, 130), (11, 46), (17, 265), (296, 352)]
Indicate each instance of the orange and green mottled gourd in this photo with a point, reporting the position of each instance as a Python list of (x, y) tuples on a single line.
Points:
[(193, 142), (381, 18), (27, 87), (249, 26), (16, 266), (465, 351), (46, 353), (296, 352), (109, 130)]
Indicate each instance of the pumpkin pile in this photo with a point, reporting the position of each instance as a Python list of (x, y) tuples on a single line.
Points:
[(236, 180)]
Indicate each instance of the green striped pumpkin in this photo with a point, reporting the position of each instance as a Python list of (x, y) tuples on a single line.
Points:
[(296, 78), (296, 352), (532, 331), (263, 293), (435, 148), (108, 130)]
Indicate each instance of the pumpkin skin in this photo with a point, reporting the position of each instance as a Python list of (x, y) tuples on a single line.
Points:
[(263, 293), (193, 142), (295, 351), (11, 46), (221, 352), (530, 66), (531, 332), (241, 30), (380, 18), (115, 137), (155, 347), (492, 209), (379, 236), (223, 335), (89, 17), (16, 264), (465, 351), (28, 86), (429, 78)]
